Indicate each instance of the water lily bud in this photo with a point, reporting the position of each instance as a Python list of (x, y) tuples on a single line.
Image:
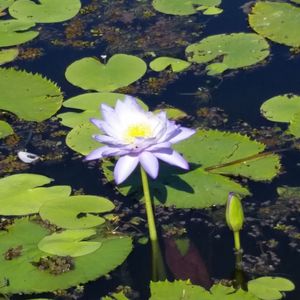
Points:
[(234, 213)]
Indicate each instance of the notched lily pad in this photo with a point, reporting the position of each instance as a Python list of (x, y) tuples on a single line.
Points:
[(75, 212), (30, 96), (161, 63), (277, 21), (69, 243), (45, 11), (5, 129), (22, 194), (120, 71), (232, 51)]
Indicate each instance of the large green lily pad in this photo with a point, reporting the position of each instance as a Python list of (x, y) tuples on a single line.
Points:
[(45, 11), (161, 63), (284, 108), (183, 7), (5, 4), (75, 212), (277, 21), (5, 129), (24, 277), (8, 55), (12, 32), (69, 243), (270, 288), (90, 103), (233, 51), (21, 194), (30, 96), (120, 70)]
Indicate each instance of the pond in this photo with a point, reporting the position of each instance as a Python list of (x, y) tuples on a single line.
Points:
[(219, 149)]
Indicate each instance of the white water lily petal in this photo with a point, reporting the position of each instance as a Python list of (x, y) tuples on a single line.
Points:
[(174, 159), (28, 157), (184, 134), (124, 167), (149, 163)]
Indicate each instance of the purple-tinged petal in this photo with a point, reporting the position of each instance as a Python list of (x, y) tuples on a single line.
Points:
[(174, 159), (149, 163), (110, 117), (183, 134), (96, 154), (110, 151), (124, 167), (161, 146), (105, 139), (97, 122)]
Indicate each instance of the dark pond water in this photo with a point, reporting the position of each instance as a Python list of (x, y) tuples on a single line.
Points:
[(236, 96)]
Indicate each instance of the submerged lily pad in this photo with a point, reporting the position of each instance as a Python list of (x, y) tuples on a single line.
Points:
[(5, 129), (21, 194), (284, 108), (8, 55), (30, 96), (45, 11), (120, 70), (182, 7), (90, 103), (12, 32), (233, 51), (69, 243), (75, 212), (26, 235), (277, 21), (161, 63), (270, 288)]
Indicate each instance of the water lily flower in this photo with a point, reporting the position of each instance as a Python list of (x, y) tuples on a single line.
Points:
[(137, 136)]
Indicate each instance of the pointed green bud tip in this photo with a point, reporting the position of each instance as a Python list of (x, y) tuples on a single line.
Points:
[(234, 212)]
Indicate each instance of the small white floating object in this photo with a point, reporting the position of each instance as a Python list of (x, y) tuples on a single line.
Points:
[(28, 157)]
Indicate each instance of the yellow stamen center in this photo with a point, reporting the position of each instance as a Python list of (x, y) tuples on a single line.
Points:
[(137, 130)]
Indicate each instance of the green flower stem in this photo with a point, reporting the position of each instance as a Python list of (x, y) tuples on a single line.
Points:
[(149, 209), (237, 242)]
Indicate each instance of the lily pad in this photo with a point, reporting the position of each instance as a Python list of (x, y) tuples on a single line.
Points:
[(12, 32), (21, 194), (90, 103), (74, 212), (5, 4), (112, 253), (5, 129), (294, 127), (69, 243), (120, 70), (270, 288), (173, 113), (45, 11), (182, 7), (210, 11), (277, 21), (8, 55), (30, 96), (233, 51), (161, 63)]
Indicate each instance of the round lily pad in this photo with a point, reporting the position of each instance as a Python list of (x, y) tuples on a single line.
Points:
[(75, 212), (45, 11), (277, 21), (182, 7), (69, 243), (233, 51), (120, 70), (12, 32), (8, 55), (21, 194), (5, 129), (161, 63), (25, 236), (32, 98)]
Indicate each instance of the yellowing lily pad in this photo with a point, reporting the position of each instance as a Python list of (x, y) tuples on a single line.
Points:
[(13, 32), (120, 70), (5, 129), (236, 50), (30, 96), (161, 63), (21, 194), (8, 55), (277, 21), (182, 7), (45, 11), (69, 243), (75, 212)]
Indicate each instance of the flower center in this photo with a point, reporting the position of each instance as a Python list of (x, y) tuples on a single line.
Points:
[(137, 130)]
